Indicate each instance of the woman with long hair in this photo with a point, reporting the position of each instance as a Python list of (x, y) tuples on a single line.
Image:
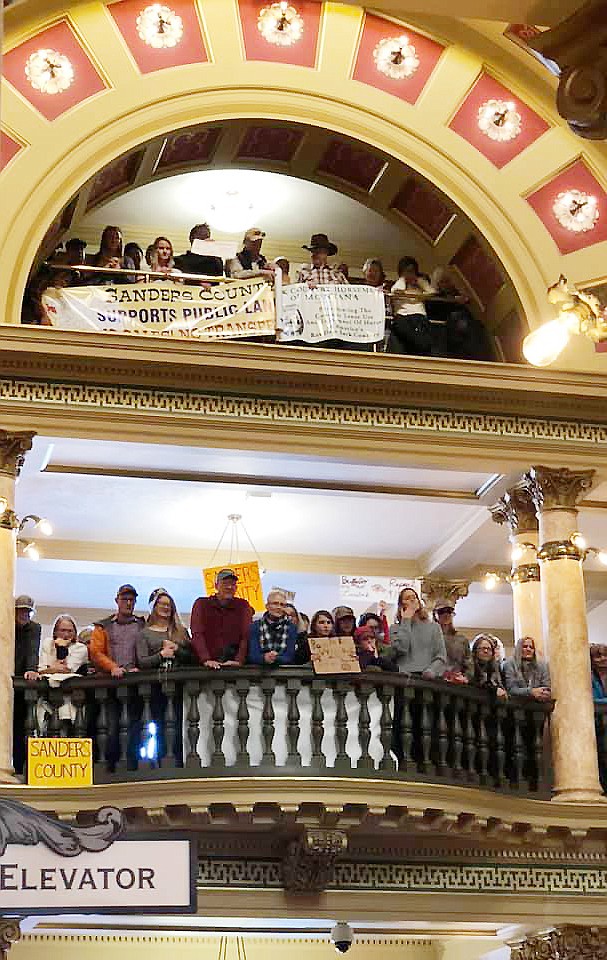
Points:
[(162, 259), (110, 255), (322, 624), (61, 656), (485, 671), (164, 641), (525, 674), (417, 642)]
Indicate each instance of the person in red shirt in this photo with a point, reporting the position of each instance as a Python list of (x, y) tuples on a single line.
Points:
[(220, 624)]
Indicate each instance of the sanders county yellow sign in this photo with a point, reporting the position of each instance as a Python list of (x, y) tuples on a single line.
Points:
[(59, 762), (249, 582)]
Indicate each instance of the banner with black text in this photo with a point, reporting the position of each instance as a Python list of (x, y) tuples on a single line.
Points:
[(351, 312)]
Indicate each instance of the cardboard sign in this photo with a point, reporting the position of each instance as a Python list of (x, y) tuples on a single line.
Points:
[(334, 655), (249, 582), (59, 762)]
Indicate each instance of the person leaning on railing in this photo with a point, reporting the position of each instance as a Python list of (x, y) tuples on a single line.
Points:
[(417, 643), (525, 674), (484, 671), (110, 255), (62, 655), (273, 638), (220, 624)]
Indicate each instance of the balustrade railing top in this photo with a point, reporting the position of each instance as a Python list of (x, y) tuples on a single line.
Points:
[(289, 721)]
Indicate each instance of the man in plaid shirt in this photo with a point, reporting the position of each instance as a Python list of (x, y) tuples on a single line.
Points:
[(319, 270)]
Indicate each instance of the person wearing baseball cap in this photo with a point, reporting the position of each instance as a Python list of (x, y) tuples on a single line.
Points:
[(459, 657), (220, 624), (250, 262), (114, 640), (27, 645)]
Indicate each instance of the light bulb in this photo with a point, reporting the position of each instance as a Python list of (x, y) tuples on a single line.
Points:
[(544, 345), (45, 527), (579, 541), (602, 557), (517, 552), (491, 581), (31, 552), (3, 504)]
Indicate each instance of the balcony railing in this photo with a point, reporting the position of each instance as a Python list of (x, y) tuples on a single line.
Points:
[(200, 723)]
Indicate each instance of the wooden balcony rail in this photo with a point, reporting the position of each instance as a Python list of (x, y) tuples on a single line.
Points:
[(290, 722)]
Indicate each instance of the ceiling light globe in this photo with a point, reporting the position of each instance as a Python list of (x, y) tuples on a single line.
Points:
[(49, 71), (499, 120), (579, 541), (576, 211), (396, 58), (544, 345), (160, 27), (602, 557), (280, 24), (45, 527), (490, 581), (31, 552)]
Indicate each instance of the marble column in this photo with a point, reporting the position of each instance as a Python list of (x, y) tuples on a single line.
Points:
[(443, 591), (13, 447), (517, 510), (556, 494)]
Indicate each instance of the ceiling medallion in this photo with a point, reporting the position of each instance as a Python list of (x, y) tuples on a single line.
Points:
[(49, 71), (499, 120), (576, 211), (396, 58), (281, 24), (159, 26)]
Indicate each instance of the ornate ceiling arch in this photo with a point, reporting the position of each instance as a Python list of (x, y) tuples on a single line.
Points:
[(125, 94)]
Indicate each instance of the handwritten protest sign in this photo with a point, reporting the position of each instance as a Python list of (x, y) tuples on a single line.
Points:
[(237, 308), (249, 582), (374, 589), (350, 312), (334, 655)]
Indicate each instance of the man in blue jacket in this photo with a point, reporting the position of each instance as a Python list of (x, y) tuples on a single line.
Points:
[(272, 639)]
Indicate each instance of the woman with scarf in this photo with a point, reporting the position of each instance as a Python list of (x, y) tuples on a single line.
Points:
[(525, 675), (272, 639)]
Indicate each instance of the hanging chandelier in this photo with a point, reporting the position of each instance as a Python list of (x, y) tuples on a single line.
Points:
[(396, 58), (576, 211), (49, 71), (159, 26), (280, 23), (499, 120)]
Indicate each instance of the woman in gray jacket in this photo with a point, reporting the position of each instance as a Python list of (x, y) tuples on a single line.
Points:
[(418, 643), (525, 675)]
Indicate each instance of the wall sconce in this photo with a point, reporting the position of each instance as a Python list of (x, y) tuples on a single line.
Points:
[(28, 547), (159, 26), (396, 58), (49, 71), (280, 23), (576, 545), (499, 120), (576, 211), (579, 313)]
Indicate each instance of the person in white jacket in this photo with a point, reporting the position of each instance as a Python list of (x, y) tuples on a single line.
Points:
[(61, 656)]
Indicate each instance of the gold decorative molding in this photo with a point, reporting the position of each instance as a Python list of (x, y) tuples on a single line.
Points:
[(449, 591), (525, 573), (560, 550), (564, 943), (13, 447), (552, 489), (308, 866), (8, 520), (10, 933)]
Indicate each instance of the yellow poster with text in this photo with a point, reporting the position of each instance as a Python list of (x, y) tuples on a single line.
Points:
[(249, 582), (59, 762)]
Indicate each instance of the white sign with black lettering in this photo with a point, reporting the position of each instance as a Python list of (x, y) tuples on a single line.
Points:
[(142, 875), (349, 312)]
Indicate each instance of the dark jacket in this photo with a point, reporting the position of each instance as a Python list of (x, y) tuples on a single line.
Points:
[(27, 645), (220, 631), (196, 263), (255, 650)]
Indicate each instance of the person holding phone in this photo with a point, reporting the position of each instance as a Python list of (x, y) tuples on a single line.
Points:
[(417, 643)]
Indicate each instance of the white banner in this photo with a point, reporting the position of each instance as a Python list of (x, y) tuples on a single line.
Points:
[(351, 312), (236, 308), (373, 589), (130, 875)]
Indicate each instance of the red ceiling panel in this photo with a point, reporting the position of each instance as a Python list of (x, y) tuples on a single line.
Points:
[(575, 177), (277, 144), (58, 227), (423, 207), (189, 147), (9, 148), (301, 54), (359, 167), (465, 122), (115, 176), (190, 49), (61, 38), (479, 269), (428, 51)]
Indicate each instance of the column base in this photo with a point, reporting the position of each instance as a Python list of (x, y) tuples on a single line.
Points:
[(9, 776), (579, 795)]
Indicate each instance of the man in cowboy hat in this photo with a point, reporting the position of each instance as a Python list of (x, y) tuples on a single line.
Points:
[(319, 270), (250, 262)]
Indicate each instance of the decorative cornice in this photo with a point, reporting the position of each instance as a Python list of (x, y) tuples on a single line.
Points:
[(561, 488), (564, 943), (309, 863), (10, 933), (13, 447)]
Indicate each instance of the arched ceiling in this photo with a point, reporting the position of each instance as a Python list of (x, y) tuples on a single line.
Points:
[(126, 94)]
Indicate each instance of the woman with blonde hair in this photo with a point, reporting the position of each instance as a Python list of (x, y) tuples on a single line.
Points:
[(162, 260), (164, 641), (61, 656)]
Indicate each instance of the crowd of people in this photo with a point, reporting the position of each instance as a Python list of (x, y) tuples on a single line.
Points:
[(225, 633), (424, 315)]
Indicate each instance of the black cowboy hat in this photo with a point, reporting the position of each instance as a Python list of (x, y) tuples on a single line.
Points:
[(320, 241)]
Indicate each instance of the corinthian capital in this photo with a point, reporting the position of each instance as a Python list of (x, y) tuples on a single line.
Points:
[(517, 509), (566, 943), (444, 591), (579, 46), (551, 488), (13, 447)]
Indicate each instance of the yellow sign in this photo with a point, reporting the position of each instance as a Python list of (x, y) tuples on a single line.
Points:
[(59, 762), (249, 582)]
